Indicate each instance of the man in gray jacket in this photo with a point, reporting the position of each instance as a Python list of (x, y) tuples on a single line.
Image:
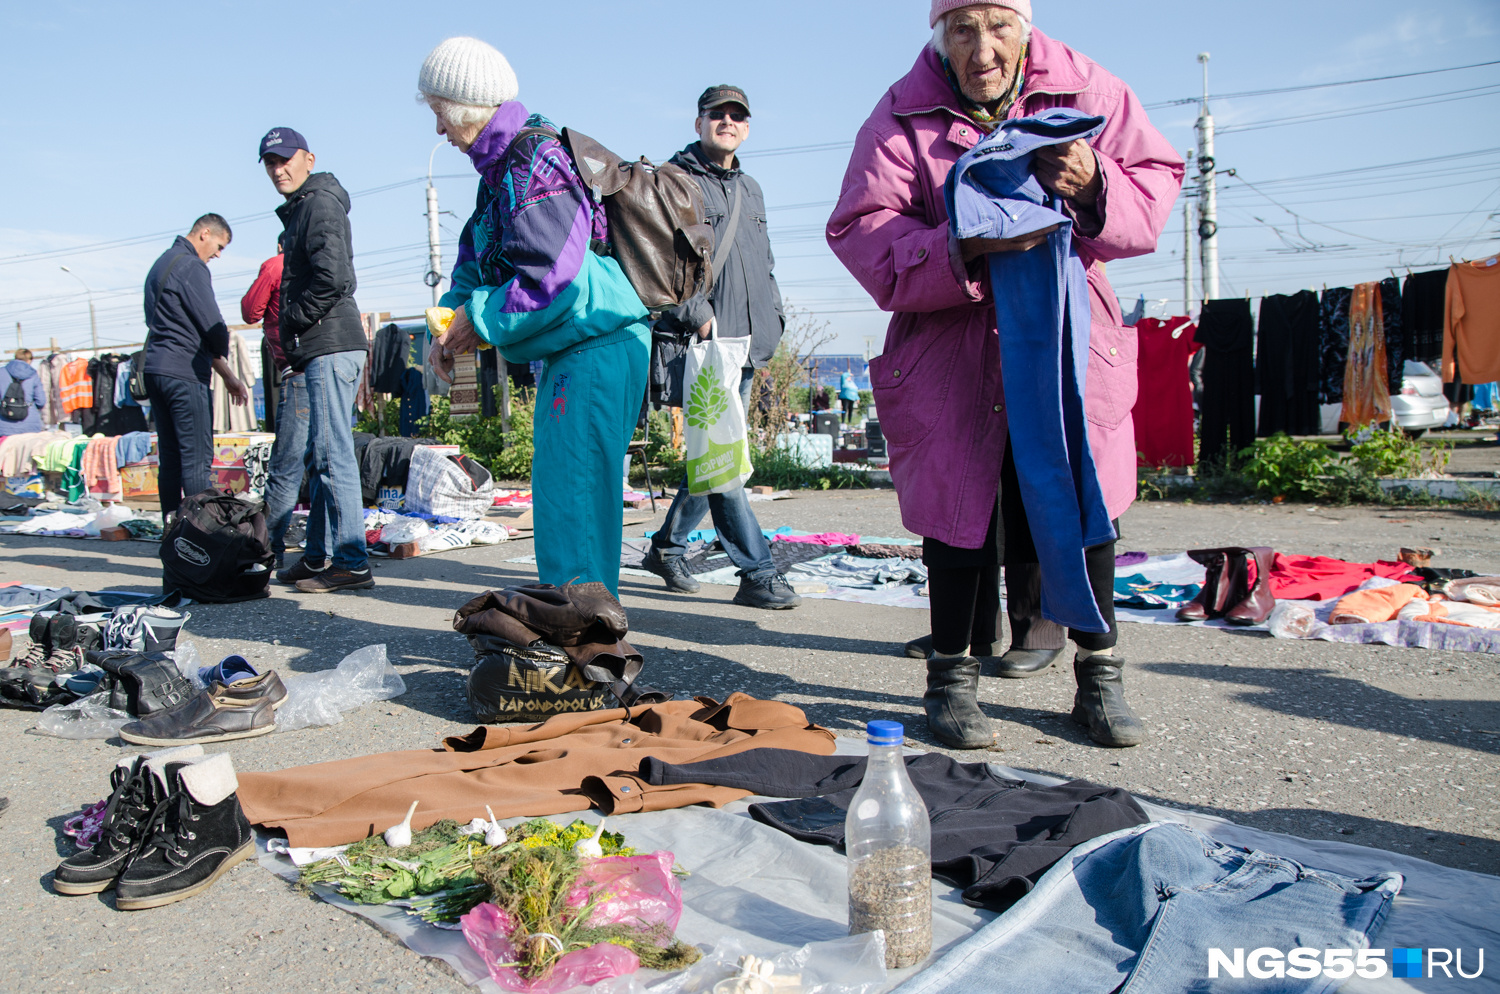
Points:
[(745, 299)]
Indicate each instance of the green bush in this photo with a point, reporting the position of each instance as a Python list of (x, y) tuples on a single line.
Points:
[(1285, 467)]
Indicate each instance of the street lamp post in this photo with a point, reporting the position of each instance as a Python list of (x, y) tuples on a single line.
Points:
[(93, 322)]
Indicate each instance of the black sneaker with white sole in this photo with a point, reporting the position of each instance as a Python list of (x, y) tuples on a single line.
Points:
[(673, 570), (333, 579), (769, 591), (298, 571), (197, 835)]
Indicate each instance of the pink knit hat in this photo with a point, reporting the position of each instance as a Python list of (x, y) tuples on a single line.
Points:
[(941, 7)]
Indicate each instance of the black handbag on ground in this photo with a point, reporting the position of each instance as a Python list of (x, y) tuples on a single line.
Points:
[(217, 549)]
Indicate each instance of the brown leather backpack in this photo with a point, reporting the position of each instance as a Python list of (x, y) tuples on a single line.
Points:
[(657, 229)]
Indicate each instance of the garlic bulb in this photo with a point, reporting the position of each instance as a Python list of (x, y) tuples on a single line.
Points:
[(475, 827), (398, 836), (591, 847), (494, 835)]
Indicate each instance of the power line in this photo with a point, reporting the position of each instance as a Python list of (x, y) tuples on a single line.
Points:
[(1405, 103), (1316, 86)]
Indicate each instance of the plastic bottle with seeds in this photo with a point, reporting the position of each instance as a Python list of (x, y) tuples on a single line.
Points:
[(889, 843)]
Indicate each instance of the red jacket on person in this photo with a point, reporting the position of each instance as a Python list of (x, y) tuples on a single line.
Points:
[(262, 302)]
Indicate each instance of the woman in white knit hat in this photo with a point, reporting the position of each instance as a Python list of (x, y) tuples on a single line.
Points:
[(527, 283)]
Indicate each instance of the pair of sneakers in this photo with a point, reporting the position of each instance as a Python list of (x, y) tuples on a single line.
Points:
[(58, 644), (172, 827), (324, 579)]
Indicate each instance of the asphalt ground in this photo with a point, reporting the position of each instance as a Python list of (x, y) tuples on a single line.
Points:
[(1385, 747)]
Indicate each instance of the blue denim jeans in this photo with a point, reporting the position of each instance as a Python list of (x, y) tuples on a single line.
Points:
[(334, 487), (1138, 910), (184, 418), (739, 531), (288, 453)]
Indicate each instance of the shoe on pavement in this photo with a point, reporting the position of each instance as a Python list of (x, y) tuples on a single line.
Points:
[(673, 570), (1018, 664), (234, 678), (135, 795), (197, 835), (1099, 704), (298, 571), (770, 591), (334, 579), (209, 717)]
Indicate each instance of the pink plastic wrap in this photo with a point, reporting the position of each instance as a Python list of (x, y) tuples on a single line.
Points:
[(635, 889), (639, 889), (488, 930)]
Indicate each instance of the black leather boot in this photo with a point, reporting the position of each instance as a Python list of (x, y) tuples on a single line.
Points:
[(1018, 664), (1099, 705), (952, 704), (197, 835)]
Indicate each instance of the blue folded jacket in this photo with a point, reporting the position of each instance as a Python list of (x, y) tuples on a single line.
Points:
[(1042, 311)]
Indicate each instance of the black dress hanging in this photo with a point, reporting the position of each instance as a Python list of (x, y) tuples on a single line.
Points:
[(1287, 364), (1423, 298), (1333, 334), (1227, 334), (1395, 337)]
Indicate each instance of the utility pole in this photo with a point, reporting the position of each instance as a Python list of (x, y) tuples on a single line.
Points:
[(93, 323), (19, 346), (1187, 256), (434, 276), (1208, 193)]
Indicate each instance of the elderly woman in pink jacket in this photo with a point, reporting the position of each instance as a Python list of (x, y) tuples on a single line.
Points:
[(938, 384)]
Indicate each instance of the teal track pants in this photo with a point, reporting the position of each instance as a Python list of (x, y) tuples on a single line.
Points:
[(586, 411)]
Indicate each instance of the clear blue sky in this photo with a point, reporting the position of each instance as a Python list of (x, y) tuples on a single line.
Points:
[(126, 121)]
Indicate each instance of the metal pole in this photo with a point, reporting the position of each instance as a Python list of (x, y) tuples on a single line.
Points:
[(19, 346), (1208, 193), (1187, 255), (434, 277), (93, 324)]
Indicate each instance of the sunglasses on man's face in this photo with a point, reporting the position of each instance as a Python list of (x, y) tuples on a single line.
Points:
[(737, 116)]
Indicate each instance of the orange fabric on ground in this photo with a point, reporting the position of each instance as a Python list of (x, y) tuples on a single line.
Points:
[(1367, 395), (1471, 330), (76, 386), (567, 763), (1381, 604)]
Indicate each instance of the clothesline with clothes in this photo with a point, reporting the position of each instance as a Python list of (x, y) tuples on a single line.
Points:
[(1305, 351)]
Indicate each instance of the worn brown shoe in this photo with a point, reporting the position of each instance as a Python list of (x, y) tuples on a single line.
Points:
[(209, 717), (266, 686)]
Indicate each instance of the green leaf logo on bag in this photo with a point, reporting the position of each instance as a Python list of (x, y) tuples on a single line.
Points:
[(707, 401)]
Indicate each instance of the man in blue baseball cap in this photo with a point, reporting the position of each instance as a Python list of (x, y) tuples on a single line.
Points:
[(324, 342)]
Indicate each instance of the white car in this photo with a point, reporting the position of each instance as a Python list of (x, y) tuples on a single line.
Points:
[(1421, 404)]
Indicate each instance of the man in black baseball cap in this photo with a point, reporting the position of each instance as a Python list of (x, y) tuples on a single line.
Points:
[(724, 93)]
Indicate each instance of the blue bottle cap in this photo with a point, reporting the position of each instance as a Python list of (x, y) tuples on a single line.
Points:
[(885, 733)]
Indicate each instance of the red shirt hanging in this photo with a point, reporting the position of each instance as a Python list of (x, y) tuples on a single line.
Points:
[(1164, 406)]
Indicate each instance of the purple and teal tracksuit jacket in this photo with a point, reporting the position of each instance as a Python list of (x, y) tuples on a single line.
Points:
[(533, 288)]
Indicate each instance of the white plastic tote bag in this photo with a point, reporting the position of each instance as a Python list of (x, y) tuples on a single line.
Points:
[(718, 451)]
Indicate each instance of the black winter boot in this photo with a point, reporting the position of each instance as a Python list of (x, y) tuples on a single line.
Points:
[(952, 704), (197, 834), (136, 794), (1099, 705)]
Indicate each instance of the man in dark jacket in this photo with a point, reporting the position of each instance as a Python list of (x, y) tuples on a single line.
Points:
[(746, 301), (324, 341), (186, 344)]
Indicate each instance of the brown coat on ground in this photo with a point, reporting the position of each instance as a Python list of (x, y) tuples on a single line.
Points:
[(568, 763)]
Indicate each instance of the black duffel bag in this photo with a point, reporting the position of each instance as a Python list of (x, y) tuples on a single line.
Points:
[(513, 682), (217, 549)]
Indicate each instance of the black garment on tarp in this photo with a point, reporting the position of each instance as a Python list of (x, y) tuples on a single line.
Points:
[(1227, 334), (991, 836), (104, 601), (1393, 325), (1423, 302), (1333, 343), (1287, 364), (784, 555), (384, 461), (18, 504), (388, 360)]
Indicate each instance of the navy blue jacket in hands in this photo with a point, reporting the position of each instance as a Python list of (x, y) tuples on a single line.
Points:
[(993, 837), (1042, 312), (187, 330)]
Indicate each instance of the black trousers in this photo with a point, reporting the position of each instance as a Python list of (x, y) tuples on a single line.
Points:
[(964, 584), (184, 437)]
